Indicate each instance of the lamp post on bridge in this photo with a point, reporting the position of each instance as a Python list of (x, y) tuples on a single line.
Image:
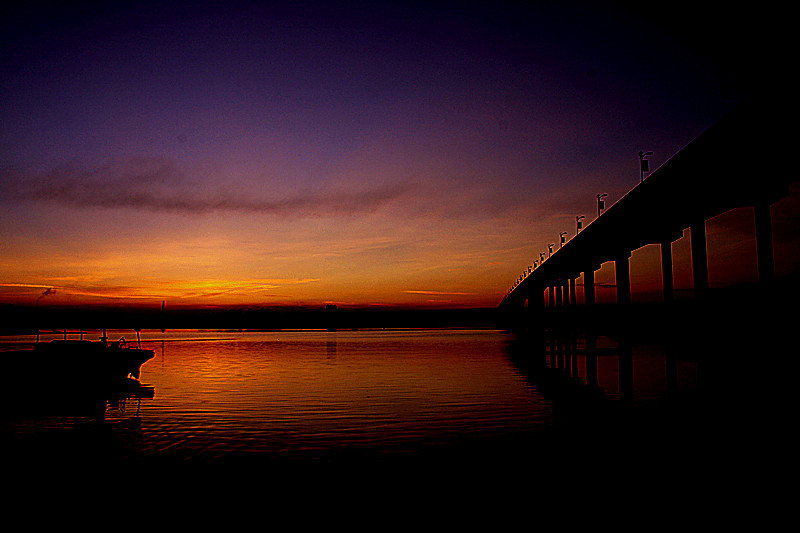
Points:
[(644, 164), (563, 239), (600, 203), (578, 224), (550, 249)]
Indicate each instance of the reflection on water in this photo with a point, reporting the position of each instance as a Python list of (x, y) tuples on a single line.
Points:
[(314, 394), (471, 397)]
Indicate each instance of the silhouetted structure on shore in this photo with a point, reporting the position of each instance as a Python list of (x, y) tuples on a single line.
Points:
[(19, 320)]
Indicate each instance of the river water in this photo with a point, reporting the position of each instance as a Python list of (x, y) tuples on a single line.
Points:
[(476, 400)]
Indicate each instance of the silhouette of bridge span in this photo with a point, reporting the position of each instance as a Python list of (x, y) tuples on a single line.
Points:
[(736, 163)]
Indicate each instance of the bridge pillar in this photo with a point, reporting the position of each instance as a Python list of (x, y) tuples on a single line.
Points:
[(699, 259), (560, 294), (588, 287), (764, 252), (572, 297), (536, 299), (667, 278), (622, 270), (559, 289)]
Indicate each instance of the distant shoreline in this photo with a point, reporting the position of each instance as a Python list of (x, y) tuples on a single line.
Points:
[(19, 320), (741, 306)]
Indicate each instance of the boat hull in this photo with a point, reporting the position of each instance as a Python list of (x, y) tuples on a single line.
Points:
[(69, 376)]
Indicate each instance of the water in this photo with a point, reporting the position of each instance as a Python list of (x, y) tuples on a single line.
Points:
[(312, 394), (475, 400)]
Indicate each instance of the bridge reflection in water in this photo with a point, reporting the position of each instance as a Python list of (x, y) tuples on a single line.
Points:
[(711, 410)]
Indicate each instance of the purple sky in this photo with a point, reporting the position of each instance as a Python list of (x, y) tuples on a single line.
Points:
[(269, 152)]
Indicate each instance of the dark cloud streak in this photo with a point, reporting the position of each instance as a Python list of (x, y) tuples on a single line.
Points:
[(161, 188)]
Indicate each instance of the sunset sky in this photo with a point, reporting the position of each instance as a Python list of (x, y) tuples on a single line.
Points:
[(266, 153)]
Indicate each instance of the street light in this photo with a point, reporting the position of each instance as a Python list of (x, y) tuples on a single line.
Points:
[(578, 223), (644, 164), (550, 248), (600, 203), (563, 240)]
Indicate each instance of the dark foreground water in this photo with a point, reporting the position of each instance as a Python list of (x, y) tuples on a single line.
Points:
[(431, 405)]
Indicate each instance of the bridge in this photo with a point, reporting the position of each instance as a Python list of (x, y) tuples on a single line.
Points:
[(737, 162), (711, 361)]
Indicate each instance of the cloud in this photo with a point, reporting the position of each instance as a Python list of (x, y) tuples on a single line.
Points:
[(160, 186), (28, 285), (438, 293), (160, 289)]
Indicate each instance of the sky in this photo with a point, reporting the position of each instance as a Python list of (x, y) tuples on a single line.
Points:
[(356, 153)]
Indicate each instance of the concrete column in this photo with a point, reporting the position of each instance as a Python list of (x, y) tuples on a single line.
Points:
[(552, 296), (622, 270), (588, 287), (766, 259), (572, 297), (699, 259), (666, 271), (535, 298)]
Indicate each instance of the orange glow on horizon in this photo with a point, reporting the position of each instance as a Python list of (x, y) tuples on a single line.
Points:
[(212, 292), (361, 270)]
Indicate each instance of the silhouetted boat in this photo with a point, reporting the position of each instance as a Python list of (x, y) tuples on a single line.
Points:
[(77, 361), (113, 361), (71, 375)]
